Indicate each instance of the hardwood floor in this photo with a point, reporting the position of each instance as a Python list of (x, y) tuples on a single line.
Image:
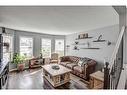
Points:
[(33, 79)]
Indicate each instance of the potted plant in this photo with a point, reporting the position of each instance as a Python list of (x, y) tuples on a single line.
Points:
[(19, 61)]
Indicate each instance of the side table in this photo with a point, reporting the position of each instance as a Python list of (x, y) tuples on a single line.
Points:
[(97, 80)]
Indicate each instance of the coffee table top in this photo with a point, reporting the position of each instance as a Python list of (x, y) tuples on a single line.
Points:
[(54, 72)]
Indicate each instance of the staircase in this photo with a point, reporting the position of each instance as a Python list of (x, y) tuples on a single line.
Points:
[(113, 68)]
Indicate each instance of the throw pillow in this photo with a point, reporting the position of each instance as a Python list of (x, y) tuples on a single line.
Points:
[(85, 61), (80, 63)]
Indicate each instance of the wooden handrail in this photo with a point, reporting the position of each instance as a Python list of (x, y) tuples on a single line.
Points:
[(113, 57)]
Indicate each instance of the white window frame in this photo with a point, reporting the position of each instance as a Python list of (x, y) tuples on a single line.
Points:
[(32, 43), (64, 45), (50, 43), (11, 50)]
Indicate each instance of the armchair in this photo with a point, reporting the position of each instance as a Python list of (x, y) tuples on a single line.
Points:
[(54, 58)]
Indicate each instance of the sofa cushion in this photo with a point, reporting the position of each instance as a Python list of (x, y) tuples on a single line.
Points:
[(65, 63), (54, 61), (65, 58), (74, 59), (71, 65), (78, 69)]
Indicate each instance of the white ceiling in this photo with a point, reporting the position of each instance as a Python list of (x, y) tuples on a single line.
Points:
[(57, 20)]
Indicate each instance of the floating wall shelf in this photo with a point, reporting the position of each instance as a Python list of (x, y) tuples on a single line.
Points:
[(99, 41), (75, 49), (80, 44), (83, 38), (90, 48)]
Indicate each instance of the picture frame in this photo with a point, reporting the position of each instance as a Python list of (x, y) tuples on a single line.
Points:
[(83, 36)]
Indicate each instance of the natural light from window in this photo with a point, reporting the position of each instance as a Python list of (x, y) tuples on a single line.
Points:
[(26, 46), (46, 48), (59, 47), (8, 49)]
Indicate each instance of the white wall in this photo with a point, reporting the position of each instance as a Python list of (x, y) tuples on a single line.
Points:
[(109, 33)]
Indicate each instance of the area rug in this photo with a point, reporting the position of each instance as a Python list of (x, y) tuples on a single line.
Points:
[(70, 85)]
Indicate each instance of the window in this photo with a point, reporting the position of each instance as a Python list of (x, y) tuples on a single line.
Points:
[(7, 48), (26, 46), (46, 47), (59, 47)]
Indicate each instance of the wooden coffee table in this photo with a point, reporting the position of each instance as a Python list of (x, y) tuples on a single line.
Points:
[(56, 77)]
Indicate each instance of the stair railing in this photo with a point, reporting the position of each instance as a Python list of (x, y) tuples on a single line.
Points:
[(113, 68)]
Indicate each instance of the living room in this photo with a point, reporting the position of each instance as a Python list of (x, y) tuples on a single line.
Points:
[(58, 47)]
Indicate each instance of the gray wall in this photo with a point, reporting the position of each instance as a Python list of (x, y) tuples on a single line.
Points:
[(109, 33), (36, 40)]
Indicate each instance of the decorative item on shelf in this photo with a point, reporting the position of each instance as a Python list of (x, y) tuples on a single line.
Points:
[(99, 39), (76, 42), (67, 46), (109, 43), (76, 48), (83, 36)]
